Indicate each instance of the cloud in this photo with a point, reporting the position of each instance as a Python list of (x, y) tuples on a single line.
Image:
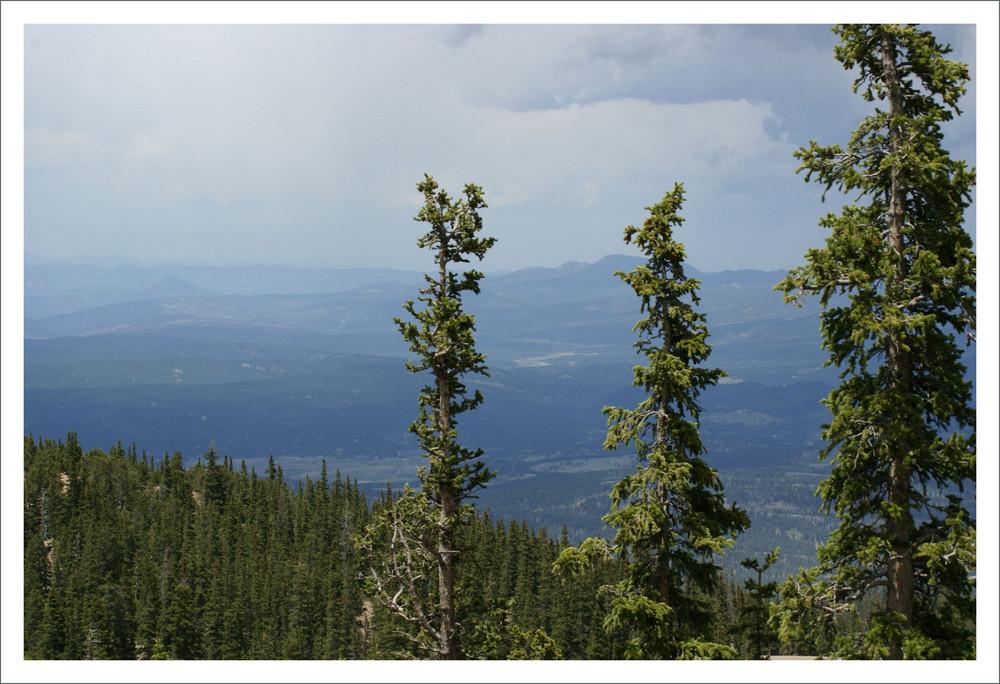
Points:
[(265, 112), (453, 35), (229, 133), (628, 141)]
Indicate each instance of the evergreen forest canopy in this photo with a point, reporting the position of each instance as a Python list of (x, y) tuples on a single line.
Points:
[(130, 557)]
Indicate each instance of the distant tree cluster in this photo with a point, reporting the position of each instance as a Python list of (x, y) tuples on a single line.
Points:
[(127, 558)]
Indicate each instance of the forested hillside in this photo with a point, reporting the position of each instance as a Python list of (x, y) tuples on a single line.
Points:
[(132, 556), (310, 377)]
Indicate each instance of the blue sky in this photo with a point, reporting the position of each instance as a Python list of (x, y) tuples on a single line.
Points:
[(302, 144)]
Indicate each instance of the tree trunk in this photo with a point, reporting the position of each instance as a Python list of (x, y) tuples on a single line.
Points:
[(445, 552), (446, 579), (899, 567), (661, 441), (759, 618)]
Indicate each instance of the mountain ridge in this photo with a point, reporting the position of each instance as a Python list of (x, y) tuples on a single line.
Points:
[(321, 375), (572, 314)]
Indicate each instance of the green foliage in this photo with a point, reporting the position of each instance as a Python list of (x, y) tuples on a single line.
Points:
[(670, 516), (498, 638), (442, 335), (401, 550), (421, 527), (154, 561), (508, 603), (896, 280), (755, 614)]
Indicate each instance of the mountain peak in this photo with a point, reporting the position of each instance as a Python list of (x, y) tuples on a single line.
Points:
[(572, 267), (171, 286)]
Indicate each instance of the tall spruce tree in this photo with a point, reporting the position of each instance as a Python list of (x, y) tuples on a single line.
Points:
[(896, 280), (670, 516), (421, 526)]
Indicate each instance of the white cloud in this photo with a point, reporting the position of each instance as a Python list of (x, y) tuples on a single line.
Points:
[(324, 129), (627, 141)]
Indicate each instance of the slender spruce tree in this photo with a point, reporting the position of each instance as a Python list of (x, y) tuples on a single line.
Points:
[(670, 515), (754, 618), (897, 282), (421, 527)]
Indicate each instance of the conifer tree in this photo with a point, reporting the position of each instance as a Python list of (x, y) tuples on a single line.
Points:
[(896, 280), (754, 618), (670, 515), (423, 525)]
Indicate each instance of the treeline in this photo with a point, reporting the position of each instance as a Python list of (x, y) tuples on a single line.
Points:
[(130, 557), (127, 558)]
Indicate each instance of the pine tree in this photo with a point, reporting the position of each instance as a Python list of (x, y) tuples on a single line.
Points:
[(754, 619), (424, 524), (896, 280), (670, 516)]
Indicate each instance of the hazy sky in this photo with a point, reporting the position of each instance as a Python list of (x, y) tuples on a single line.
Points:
[(302, 144)]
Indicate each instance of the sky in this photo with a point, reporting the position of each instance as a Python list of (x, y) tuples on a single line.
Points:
[(295, 133), (302, 144)]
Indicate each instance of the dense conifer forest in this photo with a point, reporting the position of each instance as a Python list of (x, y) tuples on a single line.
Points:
[(128, 556)]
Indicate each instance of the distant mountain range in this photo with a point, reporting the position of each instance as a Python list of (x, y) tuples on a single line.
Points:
[(307, 364), (578, 313)]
